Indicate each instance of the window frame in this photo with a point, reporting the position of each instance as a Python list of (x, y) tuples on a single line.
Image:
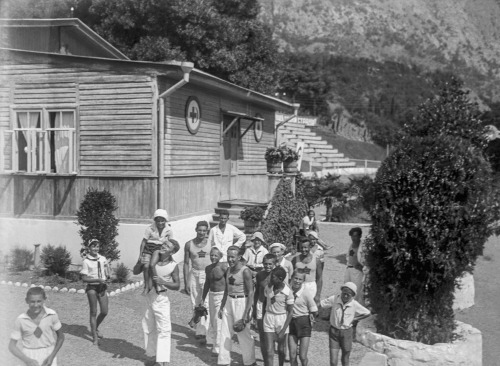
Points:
[(45, 158)]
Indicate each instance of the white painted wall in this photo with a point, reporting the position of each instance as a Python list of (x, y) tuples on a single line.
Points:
[(26, 232)]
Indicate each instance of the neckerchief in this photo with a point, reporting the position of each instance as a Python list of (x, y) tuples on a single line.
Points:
[(99, 269)]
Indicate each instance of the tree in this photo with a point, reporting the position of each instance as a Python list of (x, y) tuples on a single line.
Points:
[(222, 37), (434, 208), (97, 220)]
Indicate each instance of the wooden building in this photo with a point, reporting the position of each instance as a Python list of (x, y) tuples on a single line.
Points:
[(76, 113)]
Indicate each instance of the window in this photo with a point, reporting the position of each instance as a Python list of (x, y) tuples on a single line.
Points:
[(44, 141)]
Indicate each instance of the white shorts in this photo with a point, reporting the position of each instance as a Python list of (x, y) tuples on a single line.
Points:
[(40, 354), (273, 323)]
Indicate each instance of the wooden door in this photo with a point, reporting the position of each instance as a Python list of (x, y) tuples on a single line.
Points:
[(229, 159)]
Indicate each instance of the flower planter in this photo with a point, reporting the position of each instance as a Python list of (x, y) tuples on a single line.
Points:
[(273, 168), (290, 167), (466, 350)]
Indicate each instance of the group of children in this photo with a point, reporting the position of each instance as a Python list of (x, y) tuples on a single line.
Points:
[(239, 287)]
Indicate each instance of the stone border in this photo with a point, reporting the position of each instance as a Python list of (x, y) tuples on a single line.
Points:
[(466, 350), (128, 287)]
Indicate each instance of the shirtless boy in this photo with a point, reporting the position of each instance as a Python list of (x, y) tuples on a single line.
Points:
[(196, 252), (215, 284)]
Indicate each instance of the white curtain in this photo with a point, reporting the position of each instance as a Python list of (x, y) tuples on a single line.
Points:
[(61, 141), (31, 123)]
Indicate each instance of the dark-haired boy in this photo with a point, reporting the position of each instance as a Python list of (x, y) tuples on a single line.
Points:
[(39, 330)]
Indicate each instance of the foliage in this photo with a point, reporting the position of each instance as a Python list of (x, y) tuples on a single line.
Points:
[(98, 221), (434, 208), (222, 37), (289, 154), (274, 155), (122, 273), (285, 213), (493, 152), (21, 259), (450, 113), (56, 259), (252, 213)]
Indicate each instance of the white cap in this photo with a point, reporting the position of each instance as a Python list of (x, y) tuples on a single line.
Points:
[(279, 245), (351, 286), (161, 213), (314, 234)]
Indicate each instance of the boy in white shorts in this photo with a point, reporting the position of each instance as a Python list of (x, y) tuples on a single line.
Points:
[(39, 330), (279, 311)]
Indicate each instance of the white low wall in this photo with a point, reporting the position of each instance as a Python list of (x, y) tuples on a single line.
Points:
[(465, 351), (25, 233)]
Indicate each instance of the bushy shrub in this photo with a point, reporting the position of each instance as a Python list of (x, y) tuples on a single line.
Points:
[(98, 221), (285, 213), (252, 213), (434, 210), (122, 273), (21, 259), (55, 259)]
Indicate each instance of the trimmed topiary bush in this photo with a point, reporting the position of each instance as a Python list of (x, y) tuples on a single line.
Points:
[(285, 213), (55, 259), (122, 273), (97, 220), (434, 210)]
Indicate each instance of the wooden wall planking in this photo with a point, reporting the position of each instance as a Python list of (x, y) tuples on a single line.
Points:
[(191, 195), (53, 196)]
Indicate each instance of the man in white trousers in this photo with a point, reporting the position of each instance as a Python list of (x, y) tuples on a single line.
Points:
[(156, 322), (196, 259), (215, 285), (236, 307)]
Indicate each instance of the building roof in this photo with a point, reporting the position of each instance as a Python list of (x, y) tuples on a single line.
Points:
[(62, 36)]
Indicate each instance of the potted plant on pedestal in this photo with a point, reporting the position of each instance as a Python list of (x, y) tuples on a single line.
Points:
[(274, 157), (252, 216), (290, 158)]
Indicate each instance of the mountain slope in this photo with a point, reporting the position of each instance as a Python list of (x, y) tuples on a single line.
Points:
[(462, 36)]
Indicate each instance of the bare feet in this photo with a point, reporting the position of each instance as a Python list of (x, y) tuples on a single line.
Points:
[(99, 335)]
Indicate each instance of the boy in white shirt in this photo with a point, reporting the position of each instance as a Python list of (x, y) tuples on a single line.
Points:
[(254, 255), (39, 330), (345, 311)]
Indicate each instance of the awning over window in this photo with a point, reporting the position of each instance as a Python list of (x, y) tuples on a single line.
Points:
[(238, 116)]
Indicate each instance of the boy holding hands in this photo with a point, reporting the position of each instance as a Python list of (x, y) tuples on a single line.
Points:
[(39, 329), (345, 311)]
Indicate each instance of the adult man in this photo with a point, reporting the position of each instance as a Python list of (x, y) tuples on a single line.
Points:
[(196, 252), (223, 235), (278, 250), (354, 270), (216, 284), (236, 307)]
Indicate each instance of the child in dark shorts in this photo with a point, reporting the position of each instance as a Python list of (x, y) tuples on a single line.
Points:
[(345, 311), (304, 313)]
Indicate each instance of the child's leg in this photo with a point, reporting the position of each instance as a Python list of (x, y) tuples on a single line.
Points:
[(281, 350), (262, 337), (269, 342), (292, 347), (345, 358), (146, 274), (103, 305), (304, 348), (92, 297)]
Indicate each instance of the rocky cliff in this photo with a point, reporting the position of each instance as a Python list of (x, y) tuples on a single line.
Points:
[(462, 36)]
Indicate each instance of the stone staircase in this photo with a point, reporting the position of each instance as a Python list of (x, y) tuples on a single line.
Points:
[(318, 154), (234, 207)]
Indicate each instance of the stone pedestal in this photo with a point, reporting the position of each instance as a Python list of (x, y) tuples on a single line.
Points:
[(272, 182), (36, 259)]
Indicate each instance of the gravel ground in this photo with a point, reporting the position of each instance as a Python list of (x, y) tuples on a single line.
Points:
[(123, 340)]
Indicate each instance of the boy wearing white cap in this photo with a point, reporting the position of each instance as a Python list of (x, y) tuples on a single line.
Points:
[(345, 311), (278, 250), (156, 235), (254, 255)]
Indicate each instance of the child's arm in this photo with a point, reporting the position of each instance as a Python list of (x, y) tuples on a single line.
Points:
[(60, 340), (19, 354), (185, 271), (224, 297), (143, 244), (319, 279), (206, 286), (289, 313)]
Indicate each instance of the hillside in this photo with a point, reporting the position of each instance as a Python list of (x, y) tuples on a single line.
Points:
[(461, 36)]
